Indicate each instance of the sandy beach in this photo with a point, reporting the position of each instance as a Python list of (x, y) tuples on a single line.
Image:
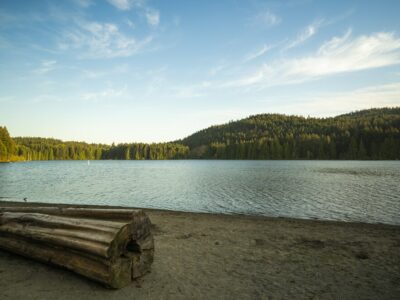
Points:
[(236, 257)]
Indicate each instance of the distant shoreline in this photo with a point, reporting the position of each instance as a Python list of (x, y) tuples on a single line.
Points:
[(199, 159)]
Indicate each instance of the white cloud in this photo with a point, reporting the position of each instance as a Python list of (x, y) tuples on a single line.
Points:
[(345, 55), (153, 17), (267, 19), (338, 55), (101, 40), (45, 67), (257, 54), (125, 4), (307, 33)]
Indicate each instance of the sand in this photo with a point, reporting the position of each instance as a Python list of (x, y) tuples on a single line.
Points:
[(236, 257)]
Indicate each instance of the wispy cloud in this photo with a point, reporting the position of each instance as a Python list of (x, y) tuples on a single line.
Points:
[(305, 34), (258, 53), (125, 4), (130, 23), (93, 74), (343, 54), (101, 40), (266, 19), (107, 94), (338, 55), (46, 66), (153, 17), (217, 69)]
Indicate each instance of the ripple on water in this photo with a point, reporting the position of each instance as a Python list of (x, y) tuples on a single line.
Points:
[(366, 191)]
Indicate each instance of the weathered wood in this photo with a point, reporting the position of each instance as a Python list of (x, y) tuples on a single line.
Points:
[(112, 246), (85, 212)]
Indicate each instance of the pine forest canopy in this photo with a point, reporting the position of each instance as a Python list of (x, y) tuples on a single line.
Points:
[(366, 134)]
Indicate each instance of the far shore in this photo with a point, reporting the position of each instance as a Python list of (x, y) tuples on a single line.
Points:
[(193, 159), (202, 255)]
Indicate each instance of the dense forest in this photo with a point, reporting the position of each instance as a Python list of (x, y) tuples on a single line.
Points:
[(367, 134), (52, 149)]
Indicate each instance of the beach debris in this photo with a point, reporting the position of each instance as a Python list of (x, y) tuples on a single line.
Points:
[(111, 246)]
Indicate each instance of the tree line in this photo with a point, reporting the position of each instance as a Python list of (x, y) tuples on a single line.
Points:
[(367, 134), (31, 148)]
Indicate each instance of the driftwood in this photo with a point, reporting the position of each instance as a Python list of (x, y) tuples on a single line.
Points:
[(112, 246)]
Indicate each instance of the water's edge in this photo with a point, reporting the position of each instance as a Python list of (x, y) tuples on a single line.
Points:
[(169, 212)]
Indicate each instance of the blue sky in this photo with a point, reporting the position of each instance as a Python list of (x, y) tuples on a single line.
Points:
[(137, 70)]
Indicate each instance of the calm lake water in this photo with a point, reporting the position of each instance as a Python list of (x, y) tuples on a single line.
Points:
[(367, 191)]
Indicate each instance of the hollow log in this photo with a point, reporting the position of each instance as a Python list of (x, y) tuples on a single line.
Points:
[(111, 246)]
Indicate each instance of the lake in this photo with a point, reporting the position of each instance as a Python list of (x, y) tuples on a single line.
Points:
[(366, 191)]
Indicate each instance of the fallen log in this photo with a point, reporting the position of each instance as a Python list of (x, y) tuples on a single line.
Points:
[(111, 246)]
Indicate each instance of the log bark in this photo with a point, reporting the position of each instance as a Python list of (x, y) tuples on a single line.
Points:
[(112, 246)]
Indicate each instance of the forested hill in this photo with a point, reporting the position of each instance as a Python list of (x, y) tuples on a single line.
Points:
[(366, 134)]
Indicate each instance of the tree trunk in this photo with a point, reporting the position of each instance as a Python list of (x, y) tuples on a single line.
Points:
[(112, 246)]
